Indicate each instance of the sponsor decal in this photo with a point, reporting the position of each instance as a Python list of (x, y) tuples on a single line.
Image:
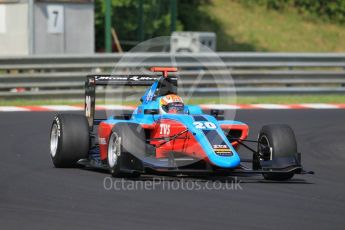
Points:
[(164, 129), (223, 153), (111, 78), (222, 150), (102, 141), (138, 78), (132, 78)]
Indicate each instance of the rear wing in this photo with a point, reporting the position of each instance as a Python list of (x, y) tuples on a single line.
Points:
[(165, 85), (119, 80)]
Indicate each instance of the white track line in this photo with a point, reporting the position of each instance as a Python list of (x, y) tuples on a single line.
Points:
[(320, 106), (219, 106), (114, 107), (12, 109), (61, 107), (271, 106)]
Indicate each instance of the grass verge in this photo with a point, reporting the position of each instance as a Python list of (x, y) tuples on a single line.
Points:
[(252, 27)]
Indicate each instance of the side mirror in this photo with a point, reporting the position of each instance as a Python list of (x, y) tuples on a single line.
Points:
[(151, 111)]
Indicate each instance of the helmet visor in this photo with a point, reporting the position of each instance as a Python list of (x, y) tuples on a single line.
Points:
[(175, 107)]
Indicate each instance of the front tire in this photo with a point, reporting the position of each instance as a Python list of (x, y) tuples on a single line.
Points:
[(277, 141), (126, 141), (69, 140), (114, 154)]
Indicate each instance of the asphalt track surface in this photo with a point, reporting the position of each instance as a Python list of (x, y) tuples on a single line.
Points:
[(35, 195)]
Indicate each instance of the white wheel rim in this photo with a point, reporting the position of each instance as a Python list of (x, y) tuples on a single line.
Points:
[(54, 140), (113, 149), (269, 145)]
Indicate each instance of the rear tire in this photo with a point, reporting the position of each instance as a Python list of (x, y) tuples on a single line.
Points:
[(277, 141), (69, 140)]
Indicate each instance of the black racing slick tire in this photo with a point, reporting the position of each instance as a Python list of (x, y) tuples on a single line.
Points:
[(279, 141), (126, 143), (69, 140)]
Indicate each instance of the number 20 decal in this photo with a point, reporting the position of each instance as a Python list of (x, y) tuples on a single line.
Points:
[(204, 125)]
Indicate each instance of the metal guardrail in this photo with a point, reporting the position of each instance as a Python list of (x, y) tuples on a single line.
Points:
[(251, 73)]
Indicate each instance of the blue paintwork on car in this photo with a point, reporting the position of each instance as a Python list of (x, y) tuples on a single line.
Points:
[(149, 102)]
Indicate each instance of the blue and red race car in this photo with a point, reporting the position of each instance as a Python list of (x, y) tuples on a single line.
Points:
[(163, 135)]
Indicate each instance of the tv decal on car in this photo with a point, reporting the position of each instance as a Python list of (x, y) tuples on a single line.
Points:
[(164, 129)]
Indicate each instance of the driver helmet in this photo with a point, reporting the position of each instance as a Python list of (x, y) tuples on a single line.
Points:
[(171, 103)]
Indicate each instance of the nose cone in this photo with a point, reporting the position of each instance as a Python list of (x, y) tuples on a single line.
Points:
[(224, 161), (212, 140), (217, 148)]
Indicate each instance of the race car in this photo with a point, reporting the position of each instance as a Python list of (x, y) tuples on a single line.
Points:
[(165, 136)]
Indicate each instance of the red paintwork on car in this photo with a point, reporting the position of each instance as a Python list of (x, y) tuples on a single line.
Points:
[(104, 131), (186, 143), (242, 127)]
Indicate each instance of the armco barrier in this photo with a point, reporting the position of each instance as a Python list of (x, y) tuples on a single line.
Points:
[(252, 73)]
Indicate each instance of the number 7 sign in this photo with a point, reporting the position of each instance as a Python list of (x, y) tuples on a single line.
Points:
[(55, 21)]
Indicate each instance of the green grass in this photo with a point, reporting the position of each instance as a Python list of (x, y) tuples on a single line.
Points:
[(278, 99), (329, 98), (293, 99), (251, 27)]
